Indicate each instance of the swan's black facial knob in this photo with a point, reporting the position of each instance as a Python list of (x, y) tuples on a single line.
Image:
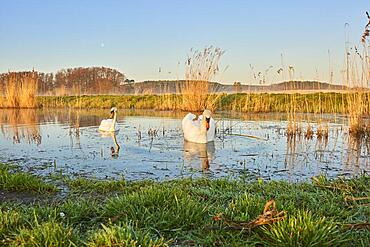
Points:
[(207, 122)]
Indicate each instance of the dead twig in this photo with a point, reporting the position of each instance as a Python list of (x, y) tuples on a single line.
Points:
[(317, 183), (270, 215), (249, 136), (363, 225), (351, 198)]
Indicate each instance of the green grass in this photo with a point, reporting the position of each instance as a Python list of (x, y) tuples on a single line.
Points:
[(46, 234), (305, 229), (241, 102), (94, 185), (123, 235), (21, 181), (181, 212)]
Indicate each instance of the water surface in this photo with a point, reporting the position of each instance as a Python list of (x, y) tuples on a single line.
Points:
[(151, 146)]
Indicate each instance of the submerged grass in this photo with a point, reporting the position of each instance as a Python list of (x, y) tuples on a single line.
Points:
[(193, 212)]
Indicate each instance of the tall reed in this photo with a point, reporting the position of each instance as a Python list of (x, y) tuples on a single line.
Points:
[(20, 90), (358, 77), (200, 68)]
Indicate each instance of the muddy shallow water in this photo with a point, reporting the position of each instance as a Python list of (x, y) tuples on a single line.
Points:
[(151, 146)]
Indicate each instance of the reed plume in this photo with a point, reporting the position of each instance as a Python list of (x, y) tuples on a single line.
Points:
[(200, 68), (358, 76)]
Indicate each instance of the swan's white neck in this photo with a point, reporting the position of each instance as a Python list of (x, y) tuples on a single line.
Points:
[(203, 126), (114, 121)]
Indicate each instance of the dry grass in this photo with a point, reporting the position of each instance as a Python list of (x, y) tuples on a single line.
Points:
[(20, 90), (358, 76), (355, 100), (200, 68), (60, 91)]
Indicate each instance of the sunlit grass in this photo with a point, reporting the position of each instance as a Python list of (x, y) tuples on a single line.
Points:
[(241, 102), (90, 185), (184, 212), (303, 229), (123, 235), (22, 181)]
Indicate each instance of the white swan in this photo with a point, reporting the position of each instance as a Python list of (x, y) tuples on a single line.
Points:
[(201, 130), (110, 124)]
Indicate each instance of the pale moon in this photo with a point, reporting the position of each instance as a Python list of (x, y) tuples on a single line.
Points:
[(102, 45)]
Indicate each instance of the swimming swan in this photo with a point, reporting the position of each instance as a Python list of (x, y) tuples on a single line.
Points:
[(110, 124), (201, 130)]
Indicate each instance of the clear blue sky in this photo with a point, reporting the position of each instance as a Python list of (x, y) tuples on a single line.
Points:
[(138, 37)]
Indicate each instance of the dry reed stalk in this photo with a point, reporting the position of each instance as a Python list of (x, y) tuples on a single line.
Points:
[(11, 93), (359, 105), (200, 69), (358, 76), (28, 91), (20, 90), (60, 91)]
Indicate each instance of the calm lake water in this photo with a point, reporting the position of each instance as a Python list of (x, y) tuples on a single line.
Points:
[(152, 147)]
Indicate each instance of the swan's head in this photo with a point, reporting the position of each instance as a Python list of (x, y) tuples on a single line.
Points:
[(207, 116), (113, 109)]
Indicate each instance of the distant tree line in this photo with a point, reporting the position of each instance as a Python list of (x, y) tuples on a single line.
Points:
[(73, 81)]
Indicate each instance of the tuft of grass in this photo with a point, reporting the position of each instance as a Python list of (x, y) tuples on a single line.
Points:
[(160, 208), (46, 234), (82, 214), (245, 207), (91, 185), (302, 229), (123, 235), (21, 181), (9, 221)]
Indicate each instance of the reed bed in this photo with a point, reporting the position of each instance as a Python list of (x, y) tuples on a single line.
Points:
[(358, 76), (19, 90), (354, 102)]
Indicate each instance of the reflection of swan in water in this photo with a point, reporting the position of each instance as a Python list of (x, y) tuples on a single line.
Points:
[(114, 151), (110, 124), (201, 130), (203, 151)]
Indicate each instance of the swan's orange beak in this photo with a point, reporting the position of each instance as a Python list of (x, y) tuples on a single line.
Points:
[(207, 123)]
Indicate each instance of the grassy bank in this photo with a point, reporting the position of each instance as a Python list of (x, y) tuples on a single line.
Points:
[(12, 179), (189, 212), (314, 102)]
